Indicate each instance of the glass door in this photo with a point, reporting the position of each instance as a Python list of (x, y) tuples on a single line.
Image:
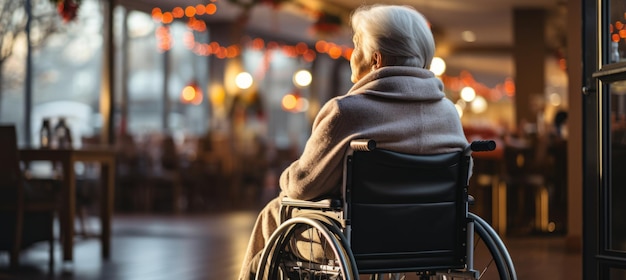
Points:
[(604, 157)]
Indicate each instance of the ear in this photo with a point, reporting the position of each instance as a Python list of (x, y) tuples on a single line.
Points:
[(377, 60)]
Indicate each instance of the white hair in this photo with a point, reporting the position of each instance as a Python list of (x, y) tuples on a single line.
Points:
[(400, 33)]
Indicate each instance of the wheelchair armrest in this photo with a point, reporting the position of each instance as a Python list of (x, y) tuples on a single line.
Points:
[(329, 203)]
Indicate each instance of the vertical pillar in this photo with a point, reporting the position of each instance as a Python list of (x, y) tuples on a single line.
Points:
[(575, 128), (107, 98), (221, 33), (529, 48), (123, 76), (28, 83), (166, 97)]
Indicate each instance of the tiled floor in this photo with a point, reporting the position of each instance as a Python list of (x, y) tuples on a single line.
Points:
[(210, 246)]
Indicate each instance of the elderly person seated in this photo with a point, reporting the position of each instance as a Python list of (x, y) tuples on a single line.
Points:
[(395, 100)]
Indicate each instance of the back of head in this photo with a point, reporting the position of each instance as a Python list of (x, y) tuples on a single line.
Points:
[(400, 33)]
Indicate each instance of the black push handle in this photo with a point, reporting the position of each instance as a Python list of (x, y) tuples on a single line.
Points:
[(363, 145), (483, 145)]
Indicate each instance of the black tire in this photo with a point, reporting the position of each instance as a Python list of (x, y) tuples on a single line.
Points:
[(491, 258), (491, 252), (281, 261)]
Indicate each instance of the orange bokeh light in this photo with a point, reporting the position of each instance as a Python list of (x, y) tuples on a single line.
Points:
[(272, 45), (191, 94), (289, 102), (322, 46), (509, 87), (190, 11), (188, 93), (232, 51), (211, 8), (615, 37), (221, 52), (301, 48), (164, 39), (157, 15), (200, 9), (289, 51), (258, 43), (309, 55), (335, 52), (177, 12), (347, 53), (168, 18)]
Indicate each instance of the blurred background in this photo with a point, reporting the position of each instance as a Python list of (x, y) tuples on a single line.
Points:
[(230, 81)]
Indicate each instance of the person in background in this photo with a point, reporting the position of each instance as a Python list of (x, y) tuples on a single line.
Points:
[(560, 125), (395, 100)]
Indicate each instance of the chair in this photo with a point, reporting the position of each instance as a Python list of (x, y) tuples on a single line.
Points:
[(165, 182), (399, 214), (26, 211), (524, 177), (87, 186)]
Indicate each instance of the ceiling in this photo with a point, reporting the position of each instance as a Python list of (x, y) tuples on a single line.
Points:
[(491, 21)]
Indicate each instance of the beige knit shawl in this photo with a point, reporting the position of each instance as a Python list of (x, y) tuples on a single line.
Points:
[(403, 108)]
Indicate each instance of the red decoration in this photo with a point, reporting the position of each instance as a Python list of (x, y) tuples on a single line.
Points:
[(68, 9)]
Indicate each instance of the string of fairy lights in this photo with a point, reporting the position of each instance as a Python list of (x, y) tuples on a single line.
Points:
[(189, 13), (192, 93), (618, 30)]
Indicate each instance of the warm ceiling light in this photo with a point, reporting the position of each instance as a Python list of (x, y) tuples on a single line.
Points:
[(555, 99), (438, 66), (468, 36), (217, 95), (302, 78), (468, 94), (294, 103), (289, 102), (191, 94), (479, 105), (244, 80)]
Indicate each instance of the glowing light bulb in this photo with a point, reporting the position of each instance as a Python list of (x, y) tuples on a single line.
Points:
[(479, 105), (468, 94), (244, 80), (302, 78), (438, 66)]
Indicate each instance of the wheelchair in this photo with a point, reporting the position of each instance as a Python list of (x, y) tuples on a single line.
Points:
[(400, 217)]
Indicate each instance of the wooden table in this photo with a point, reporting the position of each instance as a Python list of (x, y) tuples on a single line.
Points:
[(105, 155)]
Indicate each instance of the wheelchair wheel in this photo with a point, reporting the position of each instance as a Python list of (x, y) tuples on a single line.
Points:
[(491, 258), (307, 247)]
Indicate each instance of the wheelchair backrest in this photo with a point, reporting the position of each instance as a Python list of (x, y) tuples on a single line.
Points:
[(406, 212)]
